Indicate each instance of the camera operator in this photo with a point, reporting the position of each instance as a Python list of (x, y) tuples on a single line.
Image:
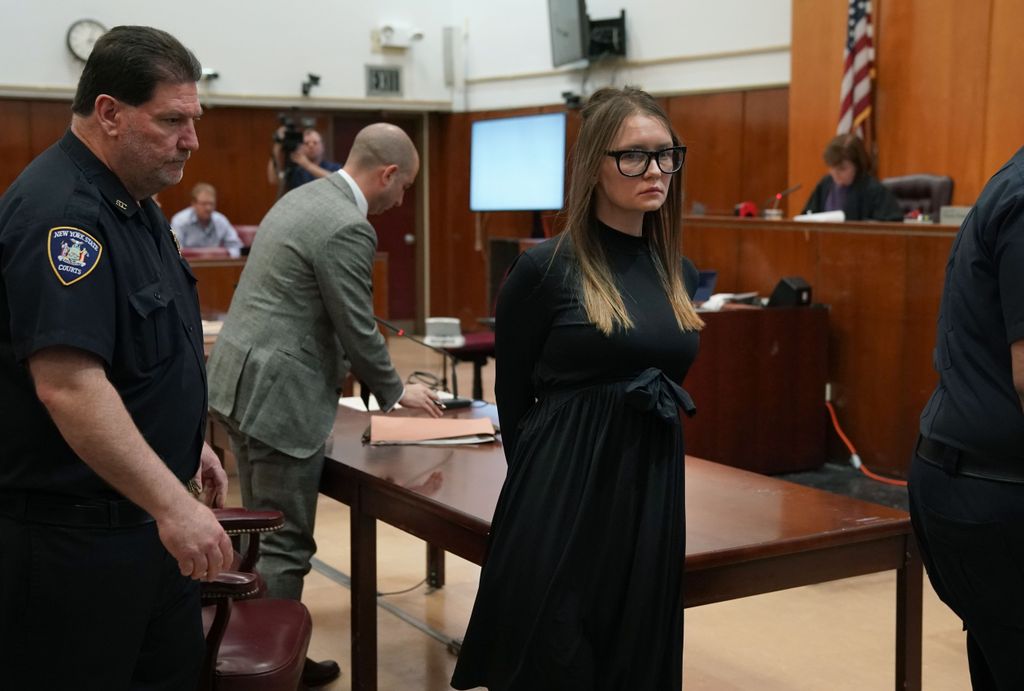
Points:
[(292, 164)]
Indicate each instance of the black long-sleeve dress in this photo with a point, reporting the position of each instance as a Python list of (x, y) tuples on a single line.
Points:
[(582, 585)]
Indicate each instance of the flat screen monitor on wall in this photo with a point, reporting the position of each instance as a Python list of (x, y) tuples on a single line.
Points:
[(517, 164), (570, 31)]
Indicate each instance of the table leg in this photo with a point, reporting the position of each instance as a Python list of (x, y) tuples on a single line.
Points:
[(908, 620), (435, 566), (478, 387), (364, 599)]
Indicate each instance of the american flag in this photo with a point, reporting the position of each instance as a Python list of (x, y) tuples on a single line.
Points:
[(858, 70)]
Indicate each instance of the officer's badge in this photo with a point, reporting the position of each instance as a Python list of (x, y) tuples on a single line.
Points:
[(73, 253), (174, 236)]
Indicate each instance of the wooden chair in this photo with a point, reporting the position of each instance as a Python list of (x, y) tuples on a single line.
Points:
[(253, 643)]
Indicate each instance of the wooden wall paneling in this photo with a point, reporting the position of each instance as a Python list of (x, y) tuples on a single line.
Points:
[(457, 265), (926, 267), (15, 145), (765, 255), (931, 90), (757, 382), (867, 340), (48, 120), (711, 126), (816, 64), (714, 249), (750, 256), (1004, 105), (882, 283), (439, 258), (216, 280), (234, 146), (764, 169), (435, 170)]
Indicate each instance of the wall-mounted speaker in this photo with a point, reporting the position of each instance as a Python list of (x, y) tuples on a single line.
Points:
[(791, 291)]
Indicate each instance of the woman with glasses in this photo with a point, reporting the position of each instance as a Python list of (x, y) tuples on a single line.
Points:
[(595, 331)]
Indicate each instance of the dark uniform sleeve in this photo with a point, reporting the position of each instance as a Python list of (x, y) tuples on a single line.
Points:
[(522, 320), (1008, 258), (58, 281)]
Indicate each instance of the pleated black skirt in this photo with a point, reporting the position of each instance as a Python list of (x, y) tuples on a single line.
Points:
[(582, 587)]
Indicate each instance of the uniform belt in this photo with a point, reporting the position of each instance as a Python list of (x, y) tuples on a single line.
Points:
[(54, 509), (959, 462)]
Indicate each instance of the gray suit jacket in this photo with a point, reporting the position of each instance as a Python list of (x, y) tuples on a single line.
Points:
[(300, 319)]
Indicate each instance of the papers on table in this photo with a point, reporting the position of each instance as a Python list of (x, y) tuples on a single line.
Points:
[(823, 217), (394, 430), (356, 403), (717, 301)]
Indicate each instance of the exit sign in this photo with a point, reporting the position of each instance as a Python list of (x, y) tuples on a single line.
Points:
[(383, 81)]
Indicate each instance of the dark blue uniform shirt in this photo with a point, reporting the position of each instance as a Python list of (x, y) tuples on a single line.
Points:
[(84, 265), (975, 406), (297, 175)]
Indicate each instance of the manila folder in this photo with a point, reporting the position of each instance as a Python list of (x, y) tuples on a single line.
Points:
[(387, 429)]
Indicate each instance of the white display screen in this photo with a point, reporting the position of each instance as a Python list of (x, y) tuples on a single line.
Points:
[(518, 164)]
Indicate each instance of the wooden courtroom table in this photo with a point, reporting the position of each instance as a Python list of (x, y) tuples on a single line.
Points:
[(746, 534)]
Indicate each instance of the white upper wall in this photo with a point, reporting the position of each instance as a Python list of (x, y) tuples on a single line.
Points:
[(673, 46), (263, 50)]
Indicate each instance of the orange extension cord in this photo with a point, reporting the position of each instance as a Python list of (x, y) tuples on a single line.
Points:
[(854, 458)]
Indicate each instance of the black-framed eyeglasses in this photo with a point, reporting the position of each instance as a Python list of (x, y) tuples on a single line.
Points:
[(634, 162)]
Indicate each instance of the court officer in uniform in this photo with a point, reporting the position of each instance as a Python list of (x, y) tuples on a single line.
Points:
[(967, 477), (104, 392)]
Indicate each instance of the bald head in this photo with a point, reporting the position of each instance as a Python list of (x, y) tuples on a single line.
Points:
[(383, 162), (382, 144)]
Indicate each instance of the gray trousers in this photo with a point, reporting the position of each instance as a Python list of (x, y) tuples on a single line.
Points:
[(272, 480)]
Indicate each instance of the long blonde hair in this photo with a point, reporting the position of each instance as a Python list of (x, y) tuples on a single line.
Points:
[(603, 115)]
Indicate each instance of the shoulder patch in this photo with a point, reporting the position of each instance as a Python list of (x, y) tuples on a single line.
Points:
[(73, 253)]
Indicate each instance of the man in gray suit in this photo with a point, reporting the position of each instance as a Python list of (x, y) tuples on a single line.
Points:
[(300, 320)]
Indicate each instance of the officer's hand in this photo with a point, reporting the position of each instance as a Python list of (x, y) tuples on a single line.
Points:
[(194, 537), (420, 396), (211, 478)]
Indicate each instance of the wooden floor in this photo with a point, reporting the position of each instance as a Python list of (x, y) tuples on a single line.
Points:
[(836, 636)]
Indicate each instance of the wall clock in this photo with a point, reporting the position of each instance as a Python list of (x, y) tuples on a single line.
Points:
[(82, 35)]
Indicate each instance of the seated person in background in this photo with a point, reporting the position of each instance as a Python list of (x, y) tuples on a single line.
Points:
[(307, 163), (201, 225), (849, 186)]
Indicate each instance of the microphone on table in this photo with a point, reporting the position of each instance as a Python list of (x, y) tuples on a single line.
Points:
[(455, 401), (785, 192)]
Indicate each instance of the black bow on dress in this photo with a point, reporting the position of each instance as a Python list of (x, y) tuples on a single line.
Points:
[(654, 392)]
